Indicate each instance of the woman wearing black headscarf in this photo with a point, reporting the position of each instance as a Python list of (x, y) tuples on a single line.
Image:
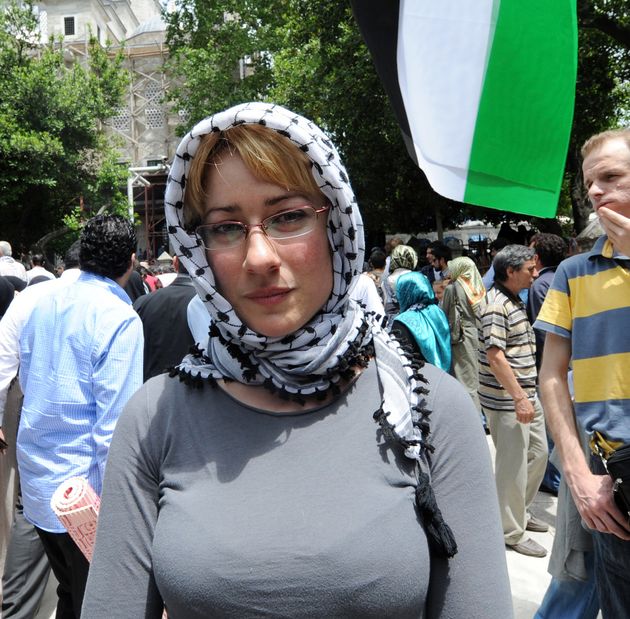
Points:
[(321, 471)]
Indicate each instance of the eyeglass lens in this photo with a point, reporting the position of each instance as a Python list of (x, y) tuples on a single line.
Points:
[(283, 225)]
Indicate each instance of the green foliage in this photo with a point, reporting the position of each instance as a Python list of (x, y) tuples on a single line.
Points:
[(602, 98), (53, 155), (220, 52), (309, 56), (313, 61), (104, 178)]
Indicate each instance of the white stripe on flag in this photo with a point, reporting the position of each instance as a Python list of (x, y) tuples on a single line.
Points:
[(442, 56)]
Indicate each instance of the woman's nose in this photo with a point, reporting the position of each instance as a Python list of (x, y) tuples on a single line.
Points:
[(260, 252)]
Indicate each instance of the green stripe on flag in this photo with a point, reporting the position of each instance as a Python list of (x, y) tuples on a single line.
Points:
[(526, 109)]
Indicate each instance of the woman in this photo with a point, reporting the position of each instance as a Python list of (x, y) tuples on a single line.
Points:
[(463, 302), (270, 491), (421, 322), (402, 260)]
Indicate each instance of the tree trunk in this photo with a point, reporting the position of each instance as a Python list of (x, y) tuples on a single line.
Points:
[(41, 244), (439, 227), (579, 199)]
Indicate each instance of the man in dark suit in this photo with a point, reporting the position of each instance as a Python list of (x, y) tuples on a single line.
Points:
[(167, 338)]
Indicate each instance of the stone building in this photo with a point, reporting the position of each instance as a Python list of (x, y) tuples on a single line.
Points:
[(144, 126)]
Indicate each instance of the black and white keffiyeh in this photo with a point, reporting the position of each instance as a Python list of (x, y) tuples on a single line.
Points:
[(315, 358)]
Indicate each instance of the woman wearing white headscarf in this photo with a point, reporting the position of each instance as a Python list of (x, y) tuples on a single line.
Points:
[(463, 301), (303, 465), (403, 259)]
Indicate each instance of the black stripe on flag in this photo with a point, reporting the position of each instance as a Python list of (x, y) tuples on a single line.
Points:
[(378, 23)]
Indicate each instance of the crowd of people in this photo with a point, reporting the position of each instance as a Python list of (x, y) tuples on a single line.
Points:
[(282, 429)]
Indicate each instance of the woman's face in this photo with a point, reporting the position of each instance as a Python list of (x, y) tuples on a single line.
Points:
[(274, 287)]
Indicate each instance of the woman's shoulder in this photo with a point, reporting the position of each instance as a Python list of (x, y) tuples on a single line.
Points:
[(160, 387), (454, 288), (167, 419), (451, 292), (160, 398), (439, 381), (453, 413)]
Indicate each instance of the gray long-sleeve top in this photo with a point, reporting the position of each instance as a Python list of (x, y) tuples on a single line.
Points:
[(222, 510)]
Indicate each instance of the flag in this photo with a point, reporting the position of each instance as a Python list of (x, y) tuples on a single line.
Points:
[(483, 91)]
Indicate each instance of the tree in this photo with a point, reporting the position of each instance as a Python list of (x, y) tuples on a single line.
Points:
[(53, 155), (602, 95), (221, 52), (309, 56), (325, 71), (610, 17)]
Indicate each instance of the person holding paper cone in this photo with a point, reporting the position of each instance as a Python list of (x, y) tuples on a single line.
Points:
[(80, 361)]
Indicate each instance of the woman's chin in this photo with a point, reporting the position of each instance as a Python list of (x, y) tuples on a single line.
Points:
[(274, 330), (277, 326)]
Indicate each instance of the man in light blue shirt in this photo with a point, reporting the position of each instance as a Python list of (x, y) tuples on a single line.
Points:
[(81, 360), (26, 567)]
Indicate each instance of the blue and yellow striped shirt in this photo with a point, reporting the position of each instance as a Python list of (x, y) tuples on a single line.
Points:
[(589, 302)]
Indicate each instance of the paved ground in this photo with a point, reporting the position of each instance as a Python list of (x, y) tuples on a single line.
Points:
[(47, 609), (528, 575)]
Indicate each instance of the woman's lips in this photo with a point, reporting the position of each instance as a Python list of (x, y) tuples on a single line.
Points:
[(268, 296)]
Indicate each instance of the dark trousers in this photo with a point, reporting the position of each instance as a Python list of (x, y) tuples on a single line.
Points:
[(26, 571), (71, 570), (612, 567), (612, 562)]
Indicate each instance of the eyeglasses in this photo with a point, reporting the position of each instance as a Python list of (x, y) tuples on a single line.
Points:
[(284, 225)]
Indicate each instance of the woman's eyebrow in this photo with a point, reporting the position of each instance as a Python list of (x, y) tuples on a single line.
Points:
[(272, 201), (225, 208), (286, 196)]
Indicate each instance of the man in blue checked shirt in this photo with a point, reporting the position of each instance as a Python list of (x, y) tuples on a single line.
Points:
[(81, 360)]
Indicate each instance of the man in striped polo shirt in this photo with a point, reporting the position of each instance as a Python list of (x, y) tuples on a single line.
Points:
[(587, 318), (507, 392)]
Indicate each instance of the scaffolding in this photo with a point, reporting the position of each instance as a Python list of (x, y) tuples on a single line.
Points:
[(144, 124), (145, 129), (145, 195)]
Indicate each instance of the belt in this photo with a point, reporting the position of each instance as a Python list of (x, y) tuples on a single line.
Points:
[(602, 447)]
